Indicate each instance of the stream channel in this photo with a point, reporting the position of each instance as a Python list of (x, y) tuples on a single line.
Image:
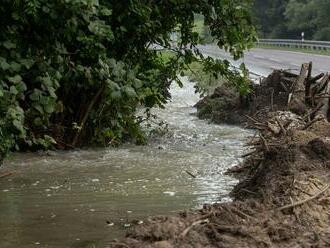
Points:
[(86, 198)]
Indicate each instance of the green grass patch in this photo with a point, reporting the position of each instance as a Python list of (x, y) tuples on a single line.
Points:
[(199, 26), (166, 56), (205, 82)]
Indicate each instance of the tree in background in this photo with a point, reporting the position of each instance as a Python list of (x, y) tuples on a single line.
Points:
[(73, 72), (286, 19), (311, 17), (269, 16)]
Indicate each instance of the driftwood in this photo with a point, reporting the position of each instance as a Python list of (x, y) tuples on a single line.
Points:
[(325, 101), (305, 91), (6, 174), (296, 204)]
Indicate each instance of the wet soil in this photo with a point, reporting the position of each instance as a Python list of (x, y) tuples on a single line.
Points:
[(226, 106)]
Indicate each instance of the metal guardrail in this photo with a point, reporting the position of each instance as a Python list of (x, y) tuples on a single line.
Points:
[(306, 44)]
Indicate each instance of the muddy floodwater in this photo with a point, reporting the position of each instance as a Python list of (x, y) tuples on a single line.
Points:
[(86, 198)]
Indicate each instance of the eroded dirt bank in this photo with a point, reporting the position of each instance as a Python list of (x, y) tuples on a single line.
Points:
[(283, 198)]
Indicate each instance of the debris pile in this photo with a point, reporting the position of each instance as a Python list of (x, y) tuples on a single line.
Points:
[(303, 94)]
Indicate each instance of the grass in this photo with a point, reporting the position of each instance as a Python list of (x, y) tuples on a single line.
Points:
[(291, 49), (205, 82), (199, 26), (166, 55)]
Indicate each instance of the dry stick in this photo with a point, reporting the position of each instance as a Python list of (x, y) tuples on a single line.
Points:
[(324, 82), (249, 154), (287, 80), (249, 191), (304, 201), (119, 244), (283, 86), (318, 77), (308, 84), (255, 121), (310, 68), (280, 124), (289, 74), (321, 97), (312, 122), (190, 174), (239, 212), (320, 87), (198, 222), (90, 107), (298, 84), (6, 174), (301, 78), (264, 142), (314, 111), (272, 100)]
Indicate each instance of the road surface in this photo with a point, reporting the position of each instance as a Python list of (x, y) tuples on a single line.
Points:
[(264, 61)]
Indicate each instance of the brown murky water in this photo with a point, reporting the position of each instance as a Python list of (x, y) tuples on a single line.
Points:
[(86, 198)]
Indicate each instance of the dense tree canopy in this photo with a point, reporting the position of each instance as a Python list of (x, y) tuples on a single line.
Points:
[(270, 18), (73, 72), (288, 18)]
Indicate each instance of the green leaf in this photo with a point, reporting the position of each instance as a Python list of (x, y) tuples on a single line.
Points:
[(113, 86), (15, 79), (3, 64), (35, 96), (106, 12), (130, 92), (49, 108), (28, 63), (37, 121), (39, 108), (21, 87), (13, 90), (16, 67), (116, 95), (18, 125), (9, 45)]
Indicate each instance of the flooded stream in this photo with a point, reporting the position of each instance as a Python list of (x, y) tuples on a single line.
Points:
[(86, 198)]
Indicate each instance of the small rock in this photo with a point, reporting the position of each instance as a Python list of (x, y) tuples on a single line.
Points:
[(169, 193), (163, 244)]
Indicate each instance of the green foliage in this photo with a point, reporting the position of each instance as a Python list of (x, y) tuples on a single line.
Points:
[(73, 72), (312, 17), (270, 18), (205, 81), (288, 18)]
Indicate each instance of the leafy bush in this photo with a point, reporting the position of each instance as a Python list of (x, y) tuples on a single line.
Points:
[(73, 72)]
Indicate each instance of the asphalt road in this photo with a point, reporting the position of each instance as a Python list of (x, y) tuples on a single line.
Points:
[(264, 61)]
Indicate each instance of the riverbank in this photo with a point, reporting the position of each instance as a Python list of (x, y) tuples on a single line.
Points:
[(282, 199)]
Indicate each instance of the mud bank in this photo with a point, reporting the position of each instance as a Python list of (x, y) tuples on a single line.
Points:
[(283, 198)]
